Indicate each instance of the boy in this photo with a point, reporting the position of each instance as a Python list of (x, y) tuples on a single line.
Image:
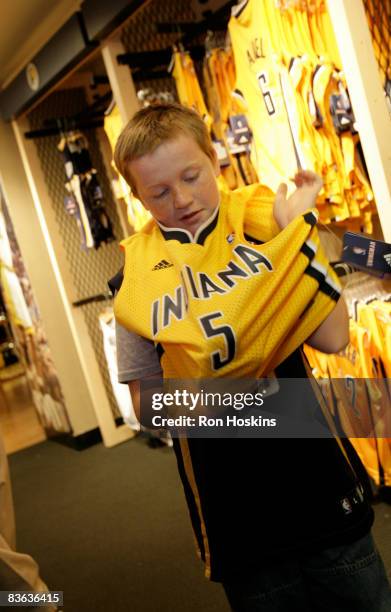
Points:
[(282, 523)]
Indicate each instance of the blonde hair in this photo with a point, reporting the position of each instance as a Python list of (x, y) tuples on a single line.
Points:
[(153, 125)]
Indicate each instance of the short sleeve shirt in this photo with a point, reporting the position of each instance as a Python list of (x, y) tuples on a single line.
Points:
[(136, 356)]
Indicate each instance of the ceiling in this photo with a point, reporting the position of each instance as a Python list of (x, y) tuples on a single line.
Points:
[(26, 25)]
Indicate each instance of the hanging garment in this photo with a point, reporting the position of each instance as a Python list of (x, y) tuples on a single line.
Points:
[(188, 87), (121, 392), (361, 395), (14, 299), (318, 108), (258, 80), (85, 198), (220, 78), (12, 292), (5, 248), (136, 213)]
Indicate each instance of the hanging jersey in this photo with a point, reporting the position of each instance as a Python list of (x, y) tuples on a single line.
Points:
[(378, 395), (382, 312), (121, 392), (188, 87), (353, 407), (318, 43), (214, 302), (300, 30), (318, 362), (113, 126), (366, 317), (237, 169), (326, 28), (5, 247), (136, 213), (259, 80), (363, 402), (84, 187)]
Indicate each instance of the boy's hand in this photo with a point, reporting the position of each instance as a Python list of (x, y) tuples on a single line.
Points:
[(308, 184)]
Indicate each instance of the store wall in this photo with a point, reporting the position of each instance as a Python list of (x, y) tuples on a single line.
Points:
[(89, 269), (38, 254)]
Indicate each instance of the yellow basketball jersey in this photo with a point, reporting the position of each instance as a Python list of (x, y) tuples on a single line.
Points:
[(378, 394), (188, 87), (326, 28), (363, 401), (218, 74), (318, 362), (382, 312), (353, 406), (221, 304), (301, 30), (259, 81), (281, 37), (136, 213), (319, 45)]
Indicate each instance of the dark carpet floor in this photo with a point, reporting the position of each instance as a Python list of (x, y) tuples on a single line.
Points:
[(110, 528)]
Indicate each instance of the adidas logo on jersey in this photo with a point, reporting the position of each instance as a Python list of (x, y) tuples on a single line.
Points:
[(162, 265)]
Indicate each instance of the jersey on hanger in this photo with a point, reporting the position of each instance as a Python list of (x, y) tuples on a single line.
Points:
[(274, 152)]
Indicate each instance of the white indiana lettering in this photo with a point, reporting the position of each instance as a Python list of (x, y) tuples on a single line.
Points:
[(202, 286)]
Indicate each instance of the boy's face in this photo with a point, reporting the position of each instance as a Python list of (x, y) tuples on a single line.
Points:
[(177, 183)]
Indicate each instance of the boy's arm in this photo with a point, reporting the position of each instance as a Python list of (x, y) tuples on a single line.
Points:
[(333, 334), (134, 388), (308, 184), (137, 360)]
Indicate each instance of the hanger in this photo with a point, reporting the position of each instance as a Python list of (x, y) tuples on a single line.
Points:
[(110, 107)]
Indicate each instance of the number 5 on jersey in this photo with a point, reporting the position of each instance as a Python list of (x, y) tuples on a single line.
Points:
[(218, 359)]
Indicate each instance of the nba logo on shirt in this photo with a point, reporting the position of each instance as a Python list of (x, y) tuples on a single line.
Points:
[(230, 238)]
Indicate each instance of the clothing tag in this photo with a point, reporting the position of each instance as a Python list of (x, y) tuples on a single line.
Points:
[(341, 112), (221, 152), (70, 205), (240, 129), (234, 148), (372, 256)]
